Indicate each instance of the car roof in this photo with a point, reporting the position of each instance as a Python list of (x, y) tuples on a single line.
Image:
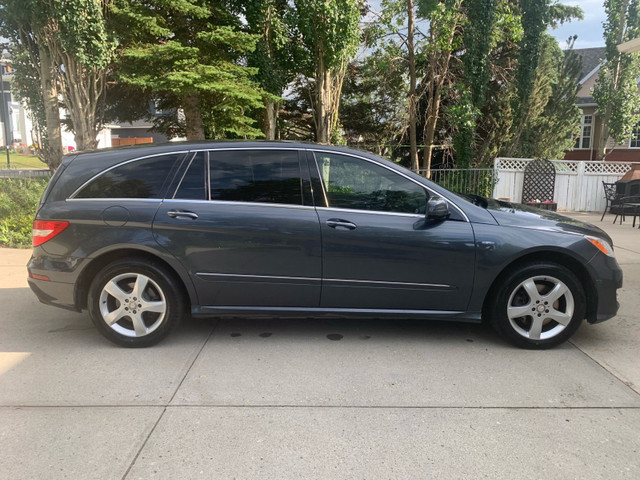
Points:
[(140, 150)]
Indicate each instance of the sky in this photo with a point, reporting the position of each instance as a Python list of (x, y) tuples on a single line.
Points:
[(589, 30)]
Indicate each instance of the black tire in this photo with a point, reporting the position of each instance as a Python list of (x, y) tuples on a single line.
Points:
[(135, 302), (549, 317)]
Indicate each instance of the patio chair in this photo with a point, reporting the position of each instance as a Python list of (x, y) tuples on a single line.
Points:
[(628, 207), (612, 198)]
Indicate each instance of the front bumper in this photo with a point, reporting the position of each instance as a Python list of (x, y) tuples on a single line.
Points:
[(608, 279)]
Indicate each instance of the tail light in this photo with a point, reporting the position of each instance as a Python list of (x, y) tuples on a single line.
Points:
[(45, 230)]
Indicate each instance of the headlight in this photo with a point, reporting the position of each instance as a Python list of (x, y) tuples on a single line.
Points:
[(601, 245)]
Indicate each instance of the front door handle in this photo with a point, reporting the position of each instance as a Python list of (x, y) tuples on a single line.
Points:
[(339, 223), (182, 214)]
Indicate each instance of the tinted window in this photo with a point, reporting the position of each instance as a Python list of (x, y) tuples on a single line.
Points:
[(358, 184), (269, 176), (138, 179), (193, 184)]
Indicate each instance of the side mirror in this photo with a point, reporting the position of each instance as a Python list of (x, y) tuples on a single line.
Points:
[(437, 209)]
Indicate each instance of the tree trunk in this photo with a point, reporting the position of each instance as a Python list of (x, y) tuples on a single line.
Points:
[(326, 97), (438, 73), (412, 106), (269, 126), (83, 92), (430, 129), (193, 117), (322, 107), (53, 148)]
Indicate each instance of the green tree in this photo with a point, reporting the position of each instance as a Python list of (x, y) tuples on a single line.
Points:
[(84, 51), (372, 110), (616, 89), (31, 33), (28, 88), (537, 16), (74, 54), (478, 40), (413, 85), (554, 117), (189, 55), (296, 121), (329, 33), (272, 56), (445, 20), (522, 85), (395, 32)]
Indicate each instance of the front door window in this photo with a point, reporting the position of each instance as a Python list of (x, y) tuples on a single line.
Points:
[(356, 184)]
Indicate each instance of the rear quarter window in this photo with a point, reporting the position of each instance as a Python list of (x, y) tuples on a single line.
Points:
[(51, 184), (144, 178)]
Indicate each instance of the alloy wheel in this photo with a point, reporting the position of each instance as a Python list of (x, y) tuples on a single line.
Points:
[(540, 307), (132, 304)]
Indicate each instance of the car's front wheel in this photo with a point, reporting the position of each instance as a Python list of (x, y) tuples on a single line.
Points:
[(135, 303), (538, 306)]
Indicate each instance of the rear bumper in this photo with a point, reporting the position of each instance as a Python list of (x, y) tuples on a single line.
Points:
[(61, 292), (54, 293)]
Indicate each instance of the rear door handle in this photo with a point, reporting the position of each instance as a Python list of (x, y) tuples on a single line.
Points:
[(182, 214), (339, 223)]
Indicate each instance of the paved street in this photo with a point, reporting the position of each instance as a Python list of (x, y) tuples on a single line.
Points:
[(332, 399)]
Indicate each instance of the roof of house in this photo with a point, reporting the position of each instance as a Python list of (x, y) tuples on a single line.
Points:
[(591, 58)]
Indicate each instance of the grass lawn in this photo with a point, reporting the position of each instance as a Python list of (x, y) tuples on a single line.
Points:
[(20, 161)]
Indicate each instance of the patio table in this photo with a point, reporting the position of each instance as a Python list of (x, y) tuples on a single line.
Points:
[(636, 213)]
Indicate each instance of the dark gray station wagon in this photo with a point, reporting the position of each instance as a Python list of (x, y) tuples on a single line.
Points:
[(141, 236)]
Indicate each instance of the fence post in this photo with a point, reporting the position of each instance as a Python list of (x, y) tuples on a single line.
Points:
[(578, 199), (496, 174)]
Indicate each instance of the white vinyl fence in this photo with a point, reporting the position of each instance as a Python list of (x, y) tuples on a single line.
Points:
[(578, 184)]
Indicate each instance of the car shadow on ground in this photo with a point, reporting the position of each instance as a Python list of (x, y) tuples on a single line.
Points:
[(347, 330)]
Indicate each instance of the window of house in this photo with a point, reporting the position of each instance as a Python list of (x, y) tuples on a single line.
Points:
[(263, 176), (355, 183), (635, 137), (143, 178), (157, 108), (586, 131)]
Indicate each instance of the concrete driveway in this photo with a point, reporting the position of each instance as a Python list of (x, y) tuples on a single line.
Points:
[(309, 399)]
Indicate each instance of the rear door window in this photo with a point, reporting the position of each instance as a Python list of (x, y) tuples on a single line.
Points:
[(256, 176), (144, 178), (193, 185)]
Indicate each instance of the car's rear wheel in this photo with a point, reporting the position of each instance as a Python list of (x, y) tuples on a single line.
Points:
[(538, 306), (135, 303)]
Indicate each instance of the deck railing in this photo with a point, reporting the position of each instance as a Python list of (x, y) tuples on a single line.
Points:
[(475, 181)]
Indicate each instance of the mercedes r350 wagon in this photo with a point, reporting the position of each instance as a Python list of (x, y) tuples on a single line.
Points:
[(141, 236)]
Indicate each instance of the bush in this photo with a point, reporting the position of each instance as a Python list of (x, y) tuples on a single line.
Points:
[(18, 203)]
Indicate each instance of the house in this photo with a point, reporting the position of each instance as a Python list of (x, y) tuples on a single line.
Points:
[(587, 144), (133, 133), (16, 126), (139, 131)]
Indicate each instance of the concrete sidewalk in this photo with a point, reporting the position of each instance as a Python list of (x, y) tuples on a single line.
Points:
[(279, 399)]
